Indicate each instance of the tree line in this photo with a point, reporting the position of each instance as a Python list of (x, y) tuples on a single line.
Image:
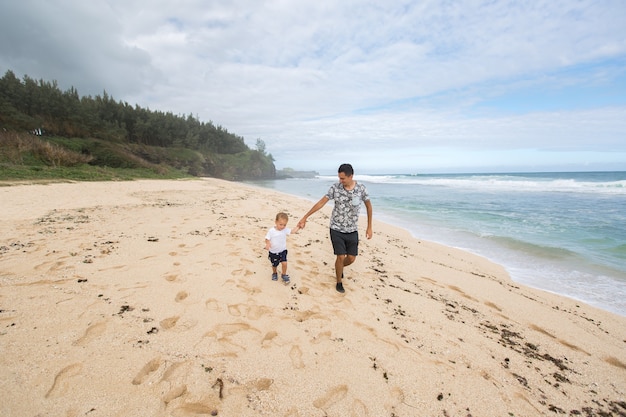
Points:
[(42, 108)]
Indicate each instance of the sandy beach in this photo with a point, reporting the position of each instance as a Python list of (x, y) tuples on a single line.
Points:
[(155, 298)]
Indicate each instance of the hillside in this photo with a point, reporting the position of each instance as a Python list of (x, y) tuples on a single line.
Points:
[(48, 133)]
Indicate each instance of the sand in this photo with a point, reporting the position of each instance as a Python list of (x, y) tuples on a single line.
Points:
[(155, 298)]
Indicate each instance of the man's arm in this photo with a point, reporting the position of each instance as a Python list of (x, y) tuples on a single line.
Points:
[(368, 207), (315, 208)]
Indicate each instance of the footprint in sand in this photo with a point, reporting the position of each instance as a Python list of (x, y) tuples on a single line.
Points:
[(181, 296), (245, 272), (171, 277), (234, 309), (460, 291), (359, 409), (292, 412), (492, 305), (333, 396), (212, 304), (187, 324), (230, 329), (147, 369), (250, 290), (175, 371), (251, 311), (176, 392), (52, 266), (262, 384), (301, 316), (267, 339), (169, 322), (395, 398), (612, 360), (296, 357), (232, 338), (195, 410), (61, 381), (91, 333)]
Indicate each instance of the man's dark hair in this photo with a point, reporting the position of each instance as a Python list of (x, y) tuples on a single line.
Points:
[(346, 169)]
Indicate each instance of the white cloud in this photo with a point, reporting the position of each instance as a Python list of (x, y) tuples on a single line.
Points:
[(319, 80)]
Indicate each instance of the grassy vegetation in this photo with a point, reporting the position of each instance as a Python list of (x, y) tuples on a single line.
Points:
[(81, 173), (24, 157)]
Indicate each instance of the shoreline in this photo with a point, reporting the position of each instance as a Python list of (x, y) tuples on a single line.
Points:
[(577, 278), (154, 297), (526, 277)]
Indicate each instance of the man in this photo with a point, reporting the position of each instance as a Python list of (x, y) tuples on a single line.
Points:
[(344, 234)]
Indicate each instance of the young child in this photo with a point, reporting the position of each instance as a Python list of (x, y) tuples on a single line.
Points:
[(276, 244)]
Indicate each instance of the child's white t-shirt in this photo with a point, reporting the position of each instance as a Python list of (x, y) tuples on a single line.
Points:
[(278, 239)]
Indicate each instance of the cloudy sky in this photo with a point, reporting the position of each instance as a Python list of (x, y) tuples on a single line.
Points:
[(390, 86)]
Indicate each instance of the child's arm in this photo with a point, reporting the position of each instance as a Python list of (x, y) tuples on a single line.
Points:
[(267, 244), (296, 229)]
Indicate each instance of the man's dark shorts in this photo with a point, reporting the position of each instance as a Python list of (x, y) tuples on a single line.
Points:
[(276, 258), (345, 243)]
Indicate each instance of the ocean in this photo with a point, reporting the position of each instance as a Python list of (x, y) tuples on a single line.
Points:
[(560, 232)]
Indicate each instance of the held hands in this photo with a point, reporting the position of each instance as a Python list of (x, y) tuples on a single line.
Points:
[(302, 223)]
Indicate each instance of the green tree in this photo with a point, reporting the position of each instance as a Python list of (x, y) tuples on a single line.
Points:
[(28, 104), (260, 146)]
